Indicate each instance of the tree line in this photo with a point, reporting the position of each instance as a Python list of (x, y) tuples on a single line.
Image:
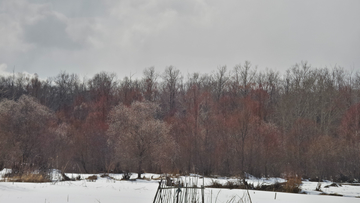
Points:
[(304, 121)]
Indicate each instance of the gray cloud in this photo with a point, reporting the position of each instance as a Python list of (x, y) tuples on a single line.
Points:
[(49, 32), (85, 37), (76, 9)]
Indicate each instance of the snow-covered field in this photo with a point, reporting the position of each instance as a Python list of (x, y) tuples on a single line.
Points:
[(107, 190)]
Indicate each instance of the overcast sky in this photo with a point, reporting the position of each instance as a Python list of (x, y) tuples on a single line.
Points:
[(127, 36)]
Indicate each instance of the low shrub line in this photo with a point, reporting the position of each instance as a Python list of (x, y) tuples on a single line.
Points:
[(292, 185)]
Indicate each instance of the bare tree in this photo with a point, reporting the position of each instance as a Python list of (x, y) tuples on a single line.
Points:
[(244, 76), (63, 92), (150, 84), (137, 135), (24, 126), (220, 80), (171, 77)]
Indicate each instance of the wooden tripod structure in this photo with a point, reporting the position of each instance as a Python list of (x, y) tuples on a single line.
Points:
[(179, 191)]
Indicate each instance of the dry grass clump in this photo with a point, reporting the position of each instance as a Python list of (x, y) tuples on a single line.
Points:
[(278, 187), (215, 184), (92, 178), (332, 194), (293, 184), (333, 185), (157, 178), (105, 176), (239, 184), (30, 177)]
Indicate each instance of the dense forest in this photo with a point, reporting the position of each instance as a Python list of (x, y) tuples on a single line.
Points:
[(304, 121)]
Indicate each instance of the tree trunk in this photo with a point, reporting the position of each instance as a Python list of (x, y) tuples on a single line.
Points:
[(139, 170)]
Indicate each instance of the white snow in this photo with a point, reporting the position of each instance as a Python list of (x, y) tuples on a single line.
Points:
[(345, 189), (106, 190)]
